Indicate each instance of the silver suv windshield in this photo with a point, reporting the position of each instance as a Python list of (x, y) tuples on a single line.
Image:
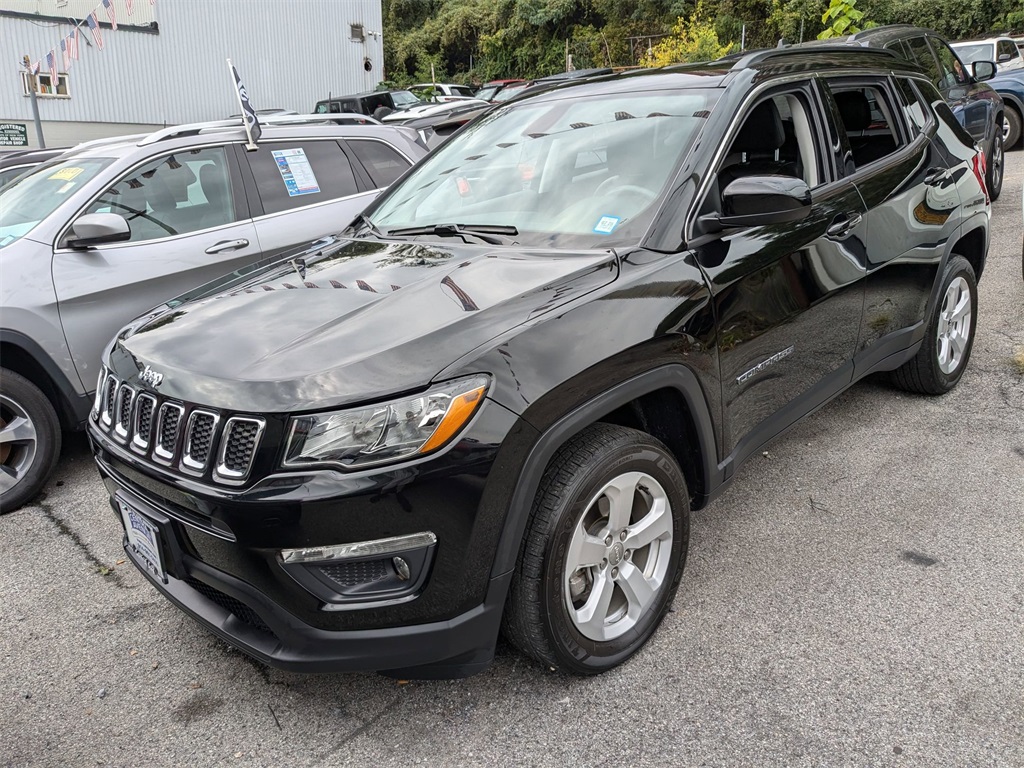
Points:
[(581, 171), (26, 202)]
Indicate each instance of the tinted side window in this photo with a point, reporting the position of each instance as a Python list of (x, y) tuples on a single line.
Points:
[(943, 112), (292, 175), (173, 195), (922, 54), (870, 122), (1008, 49), (382, 162), (914, 109)]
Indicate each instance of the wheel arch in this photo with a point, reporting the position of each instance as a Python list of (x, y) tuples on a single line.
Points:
[(20, 354), (652, 402), (973, 246)]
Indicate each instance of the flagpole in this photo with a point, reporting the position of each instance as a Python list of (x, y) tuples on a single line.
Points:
[(241, 107), (32, 97)]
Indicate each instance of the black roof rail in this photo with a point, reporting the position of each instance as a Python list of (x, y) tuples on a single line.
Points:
[(757, 57)]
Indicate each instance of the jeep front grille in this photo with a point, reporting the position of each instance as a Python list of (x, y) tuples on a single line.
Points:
[(182, 437)]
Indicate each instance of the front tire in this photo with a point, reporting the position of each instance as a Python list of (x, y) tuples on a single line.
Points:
[(603, 553), (30, 440), (1011, 128), (949, 337), (994, 169)]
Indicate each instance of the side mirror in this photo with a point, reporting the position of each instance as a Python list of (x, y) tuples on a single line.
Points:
[(983, 70), (98, 229), (756, 201), (1004, 57)]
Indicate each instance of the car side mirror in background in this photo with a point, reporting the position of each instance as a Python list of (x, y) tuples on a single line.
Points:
[(755, 201), (983, 70), (99, 228), (1004, 57)]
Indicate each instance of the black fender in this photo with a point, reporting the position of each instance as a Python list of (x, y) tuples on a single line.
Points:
[(72, 406), (673, 376)]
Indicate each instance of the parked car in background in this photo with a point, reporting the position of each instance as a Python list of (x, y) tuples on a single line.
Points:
[(496, 399), (373, 103), (976, 105), (13, 164), (430, 108), (1010, 86), (115, 227), (437, 128), (1002, 50), (488, 91), (442, 91)]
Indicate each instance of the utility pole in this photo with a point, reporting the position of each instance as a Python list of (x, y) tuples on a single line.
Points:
[(32, 97)]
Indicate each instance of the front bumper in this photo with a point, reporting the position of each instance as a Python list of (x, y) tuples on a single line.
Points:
[(221, 553)]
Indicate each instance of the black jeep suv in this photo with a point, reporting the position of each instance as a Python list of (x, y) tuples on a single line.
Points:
[(494, 400)]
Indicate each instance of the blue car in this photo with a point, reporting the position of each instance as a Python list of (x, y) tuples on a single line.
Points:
[(1010, 85)]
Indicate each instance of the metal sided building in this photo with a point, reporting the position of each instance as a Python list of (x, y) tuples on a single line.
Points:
[(165, 64)]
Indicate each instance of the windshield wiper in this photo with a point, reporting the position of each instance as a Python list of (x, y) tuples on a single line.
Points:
[(480, 231)]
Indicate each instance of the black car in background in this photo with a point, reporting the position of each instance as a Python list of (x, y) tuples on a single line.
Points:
[(975, 103), (494, 400)]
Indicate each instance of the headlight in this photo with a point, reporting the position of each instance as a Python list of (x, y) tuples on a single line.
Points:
[(379, 434)]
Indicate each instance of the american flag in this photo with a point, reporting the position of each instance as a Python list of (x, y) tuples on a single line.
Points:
[(66, 53), (73, 44), (35, 68), (128, 5), (110, 14), (94, 25), (51, 62)]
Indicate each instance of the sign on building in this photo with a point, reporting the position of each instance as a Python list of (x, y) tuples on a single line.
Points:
[(13, 135)]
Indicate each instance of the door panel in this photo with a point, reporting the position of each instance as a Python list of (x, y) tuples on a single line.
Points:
[(101, 289)]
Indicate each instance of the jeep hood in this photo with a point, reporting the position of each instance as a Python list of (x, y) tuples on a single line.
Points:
[(356, 320)]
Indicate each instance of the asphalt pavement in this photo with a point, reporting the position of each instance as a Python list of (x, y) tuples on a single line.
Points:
[(855, 598)]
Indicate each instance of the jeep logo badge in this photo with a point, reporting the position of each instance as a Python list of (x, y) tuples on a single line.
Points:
[(150, 377)]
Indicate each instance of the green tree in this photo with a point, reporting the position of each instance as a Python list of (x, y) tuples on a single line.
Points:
[(840, 19), (692, 39)]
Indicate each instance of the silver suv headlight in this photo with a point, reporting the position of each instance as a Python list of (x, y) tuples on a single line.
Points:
[(386, 432)]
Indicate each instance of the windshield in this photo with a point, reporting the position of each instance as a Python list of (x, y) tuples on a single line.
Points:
[(403, 99), (509, 92), (28, 200), (487, 93), (980, 52), (583, 171)]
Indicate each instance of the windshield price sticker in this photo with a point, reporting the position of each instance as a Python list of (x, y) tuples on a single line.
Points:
[(606, 224), (296, 172), (66, 174)]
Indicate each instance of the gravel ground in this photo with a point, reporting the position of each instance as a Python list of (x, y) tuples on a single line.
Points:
[(855, 598)]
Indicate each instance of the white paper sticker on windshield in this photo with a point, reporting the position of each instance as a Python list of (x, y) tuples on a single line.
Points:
[(296, 172), (606, 224)]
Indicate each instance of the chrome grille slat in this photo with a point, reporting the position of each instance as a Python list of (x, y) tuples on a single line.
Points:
[(167, 425), (142, 425), (123, 410), (199, 434), (107, 408), (238, 446)]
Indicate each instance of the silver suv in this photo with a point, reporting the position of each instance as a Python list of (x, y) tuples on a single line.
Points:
[(115, 227)]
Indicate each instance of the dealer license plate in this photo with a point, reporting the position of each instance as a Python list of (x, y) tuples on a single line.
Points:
[(143, 539)]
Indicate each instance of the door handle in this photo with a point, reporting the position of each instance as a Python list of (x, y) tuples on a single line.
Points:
[(842, 224), (227, 245), (935, 176)]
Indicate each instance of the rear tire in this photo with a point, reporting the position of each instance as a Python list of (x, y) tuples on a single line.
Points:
[(30, 440), (943, 356), (603, 552)]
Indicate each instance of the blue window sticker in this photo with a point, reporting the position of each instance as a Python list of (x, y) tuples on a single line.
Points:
[(606, 224)]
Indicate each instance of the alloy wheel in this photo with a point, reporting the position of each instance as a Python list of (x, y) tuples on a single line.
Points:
[(954, 326), (18, 442), (618, 557)]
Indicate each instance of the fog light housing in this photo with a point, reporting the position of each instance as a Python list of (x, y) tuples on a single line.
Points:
[(363, 574)]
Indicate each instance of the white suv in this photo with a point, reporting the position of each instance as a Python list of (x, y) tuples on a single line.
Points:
[(1002, 50)]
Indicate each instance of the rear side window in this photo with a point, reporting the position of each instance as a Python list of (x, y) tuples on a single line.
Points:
[(381, 162), (914, 109), (869, 120), (293, 175), (1006, 51)]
